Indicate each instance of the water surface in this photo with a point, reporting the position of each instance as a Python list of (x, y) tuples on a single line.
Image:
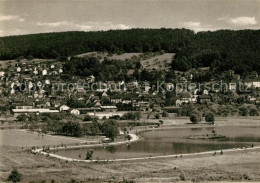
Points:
[(175, 141)]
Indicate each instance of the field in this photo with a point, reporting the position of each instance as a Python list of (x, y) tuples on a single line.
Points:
[(158, 62), (149, 61), (21, 138), (11, 63), (233, 166)]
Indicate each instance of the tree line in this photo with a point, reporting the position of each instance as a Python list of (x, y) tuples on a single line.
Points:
[(220, 50)]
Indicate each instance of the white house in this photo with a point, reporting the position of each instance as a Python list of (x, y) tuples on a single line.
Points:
[(18, 69), (91, 78), (12, 91), (255, 84), (30, 85), (64, 108), (75, 112), (37, 111), (104, 94), (35, 72), (47, 82), (2, 73), (52, 66), (205, 92), (184, 98), (44, 72), (232, 86)]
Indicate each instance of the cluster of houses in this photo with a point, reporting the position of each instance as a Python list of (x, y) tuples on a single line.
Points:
[(27, 88)]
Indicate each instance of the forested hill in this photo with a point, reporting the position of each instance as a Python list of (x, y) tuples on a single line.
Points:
[(224, 49), (50, 45)]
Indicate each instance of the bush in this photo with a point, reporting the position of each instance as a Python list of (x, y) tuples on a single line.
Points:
[(157, 116), (87, 118), (89, 154), (15, 176), (165, 114), (243, 111), (110, 129), (195, 118), (210, 118), (254, 112)]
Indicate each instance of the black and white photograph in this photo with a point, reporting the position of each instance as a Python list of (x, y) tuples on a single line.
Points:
[(129, 91)]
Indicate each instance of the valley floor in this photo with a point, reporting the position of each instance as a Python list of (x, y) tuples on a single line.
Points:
[(233, 166)]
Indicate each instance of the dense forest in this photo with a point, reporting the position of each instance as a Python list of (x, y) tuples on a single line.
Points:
[(221, 50)]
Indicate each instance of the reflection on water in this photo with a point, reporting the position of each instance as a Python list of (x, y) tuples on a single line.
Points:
[(176, 141)]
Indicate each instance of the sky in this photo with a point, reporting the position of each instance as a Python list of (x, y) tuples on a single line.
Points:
[(36, 16)]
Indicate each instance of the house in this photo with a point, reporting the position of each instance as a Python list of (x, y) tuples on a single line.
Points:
[(2, 73), (184, 98), (104, 94), (54, 73), (97, 103), (141, 105), (36, 111), (24, 107), (256, 84), (90, 109), (47, 104), (75, 112), (205, 92), (35, 72), (18, 69), (115, 99), (104, 114), (249, 83), (44, 72), (47, 82), (64, 108), (204, 98), (232, 87), (109, 108), (91, 79)]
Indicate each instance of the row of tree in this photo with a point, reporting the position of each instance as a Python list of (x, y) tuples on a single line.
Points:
[(109, 128)]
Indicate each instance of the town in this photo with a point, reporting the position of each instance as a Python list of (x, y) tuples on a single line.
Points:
[(137, 105), (40, 86)]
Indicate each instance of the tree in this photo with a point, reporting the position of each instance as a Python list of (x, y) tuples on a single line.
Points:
[(95, 128), (110, 129), (254, 112), (165, 114), (89, 154), (15, 176), (243, 111), (195, 118), (210, 118), (21, 117), (157, 116)]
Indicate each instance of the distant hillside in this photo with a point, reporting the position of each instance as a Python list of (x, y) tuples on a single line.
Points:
[(52, 45), (223, 49)]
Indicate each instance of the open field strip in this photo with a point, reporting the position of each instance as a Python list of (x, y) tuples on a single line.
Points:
[(61, 137)]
